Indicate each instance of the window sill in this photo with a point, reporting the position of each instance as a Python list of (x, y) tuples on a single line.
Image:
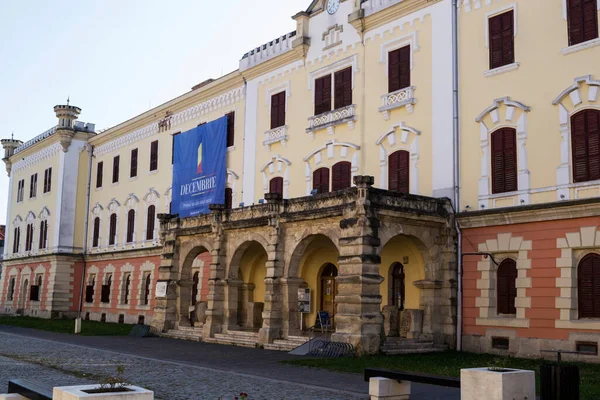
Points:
[(500, 70), (144, 307), (98, 189), (230, 148), (581, 46), (328, 120), (133, 178), (400, 98), (584, 324), (114, 184), (153, 172), (503, 321), (46, 194)]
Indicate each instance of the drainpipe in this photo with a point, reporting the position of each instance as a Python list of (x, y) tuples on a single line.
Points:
[(86, 222), (456, 144)]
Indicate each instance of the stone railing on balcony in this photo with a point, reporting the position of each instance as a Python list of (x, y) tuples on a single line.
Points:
[(279, 134), (328, 120), (400, 98)]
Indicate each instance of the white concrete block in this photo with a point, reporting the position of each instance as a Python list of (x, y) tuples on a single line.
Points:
[(78, 392), (481, 383), (12, 396), (388, 389)]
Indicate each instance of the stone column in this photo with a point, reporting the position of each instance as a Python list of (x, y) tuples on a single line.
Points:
[(184, 289), (272, 311), (291, 317), (236, 292), (215, 310), (165, 308), (358, 318)]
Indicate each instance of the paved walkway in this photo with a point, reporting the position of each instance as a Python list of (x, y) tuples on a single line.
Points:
[(177, 369)]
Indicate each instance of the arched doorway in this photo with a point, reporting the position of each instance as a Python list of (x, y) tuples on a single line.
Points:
[(328, 289), (397, 293), (194, 267)]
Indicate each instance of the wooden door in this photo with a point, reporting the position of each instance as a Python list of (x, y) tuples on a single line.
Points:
[(328, 289)]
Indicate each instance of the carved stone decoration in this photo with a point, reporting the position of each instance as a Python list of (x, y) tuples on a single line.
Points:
[(65, 137), (411, 323), (391, 321), (165, 124)]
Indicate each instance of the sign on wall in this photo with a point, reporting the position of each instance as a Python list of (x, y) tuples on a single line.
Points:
[(161, 288), (199, 168), (304, 301)]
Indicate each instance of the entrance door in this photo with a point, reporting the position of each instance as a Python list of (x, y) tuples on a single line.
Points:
[(397, 292), (328, 289)]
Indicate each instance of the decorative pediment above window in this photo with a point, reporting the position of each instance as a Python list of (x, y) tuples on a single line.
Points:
[(332, 37), (44, 214)]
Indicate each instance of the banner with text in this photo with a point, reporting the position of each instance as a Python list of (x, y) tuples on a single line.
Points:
[(199, 168)]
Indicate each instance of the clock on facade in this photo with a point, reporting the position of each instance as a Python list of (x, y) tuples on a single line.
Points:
[(333, 6)]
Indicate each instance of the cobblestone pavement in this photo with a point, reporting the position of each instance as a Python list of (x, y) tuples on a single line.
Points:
[(177, 369)]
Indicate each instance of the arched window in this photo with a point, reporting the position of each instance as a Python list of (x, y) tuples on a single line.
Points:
[(112, 231), (126, 289), (507, 289), (341, 176), (147, 290), (321, 180), (43, 234), (105, 295), (397, 292), (276, 185), (585, 145), (29, 238), (11, 289), (195, 287), (130, 226), (399, 172), (588, 286), (150, 226), (16, 240), (96, 235), (228, 198), (504, 160)]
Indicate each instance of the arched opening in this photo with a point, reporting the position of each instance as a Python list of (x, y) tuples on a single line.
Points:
[(193, 287), (506, 288), (588, 286), (398, 292), (328, 289), (246, 292), (23, 294)]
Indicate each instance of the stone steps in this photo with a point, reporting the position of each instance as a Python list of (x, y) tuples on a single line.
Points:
[(288, 344), (393, 346), (396, 352), (235, 338), (183, 334)]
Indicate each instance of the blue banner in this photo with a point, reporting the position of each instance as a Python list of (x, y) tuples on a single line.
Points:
[(199, 168)]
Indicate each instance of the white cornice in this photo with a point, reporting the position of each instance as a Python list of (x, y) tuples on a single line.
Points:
[(38, 157)]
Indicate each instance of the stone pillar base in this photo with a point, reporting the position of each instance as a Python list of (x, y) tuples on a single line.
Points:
[(363, 344), (388, 389), (481, 383)]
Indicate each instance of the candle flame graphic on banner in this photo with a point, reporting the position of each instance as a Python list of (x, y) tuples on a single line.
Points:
[(199, 171)]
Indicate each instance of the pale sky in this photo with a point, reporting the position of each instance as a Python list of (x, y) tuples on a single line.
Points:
[(117, 58)]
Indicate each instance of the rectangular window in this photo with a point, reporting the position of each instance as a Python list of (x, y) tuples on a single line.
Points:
[(99, 172), (323, 95), (134, 163), (47, 180), (582, 20), (277, 110), (34, 293), (20, 190), (343, 88), (502, 39), (154, 155), (116, 161), (230, 129), (590, 348), (500, 343), (399, 69), (33, 186), (173, 148)]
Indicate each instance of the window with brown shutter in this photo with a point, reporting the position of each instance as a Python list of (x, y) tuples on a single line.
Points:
[(582, 18), (588, 286), (115, 176), (506, 291), (154, 155), (150, 226), (130, 225), (112, 230), (343, 88), (228, 198), (99, 172), (33, 186), (230, 129), (323, 95), (43, 234), (96, 234), (341, 176), (585, 145), (399, 172), (321, 180), (277, 110), (134, 163), (502, 39), (399, 69), (47, 180), (276, 185), (504, 160)]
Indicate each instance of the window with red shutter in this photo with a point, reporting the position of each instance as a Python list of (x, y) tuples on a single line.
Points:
[(99, 172), (96, 235), (112, 231), (228, 198), (399, 69), (150, 223), (130, 225), (399, 172), (230, 129), (276, 185), (585, 145), (504, 160), (502, 39), (323, 95), (341, 176), (582, 18), (343, 88), (321, 180), (506, 291), (154, 155), (277, 110), (588, 286), (116, 161)]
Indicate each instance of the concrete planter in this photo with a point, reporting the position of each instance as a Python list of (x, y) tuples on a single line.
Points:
[(512, 384), (77, 392)]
